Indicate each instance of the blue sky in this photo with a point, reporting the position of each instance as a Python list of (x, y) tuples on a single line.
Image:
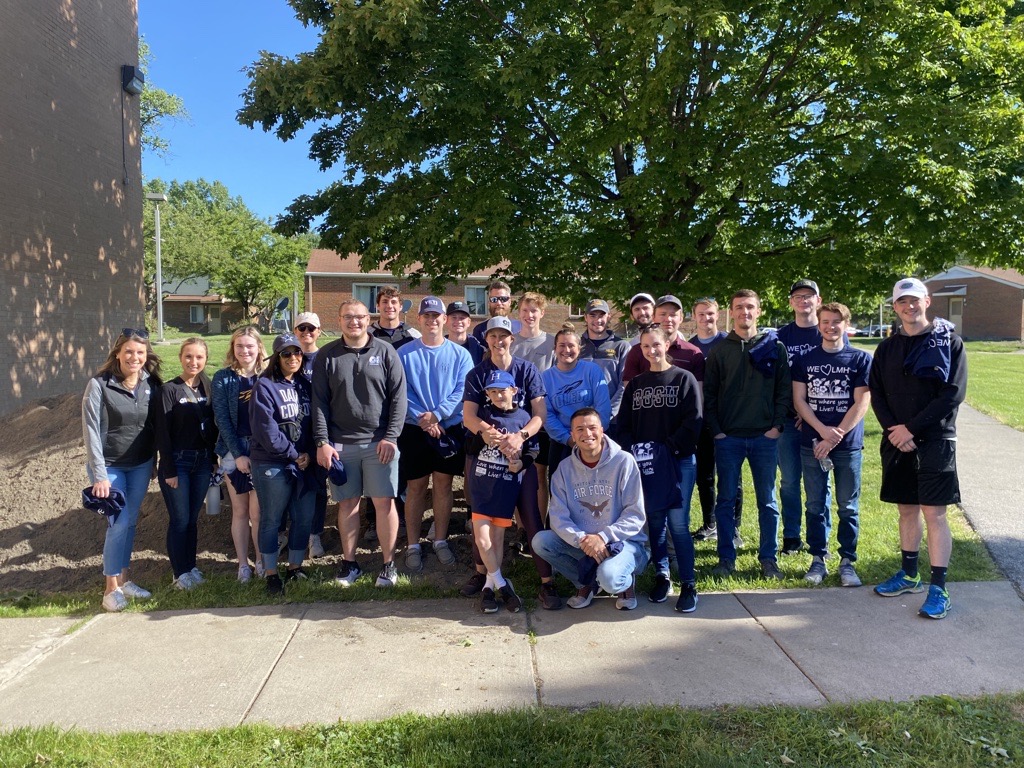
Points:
[(199, 49)]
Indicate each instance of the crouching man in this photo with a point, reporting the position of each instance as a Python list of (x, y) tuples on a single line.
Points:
[(597, 517)]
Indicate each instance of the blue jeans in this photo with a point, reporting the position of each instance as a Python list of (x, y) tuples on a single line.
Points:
[(817, 484), (120, 538), (675, 522), (789, 480), (762, 454), (614, 575), (183, 504), (278, 490)]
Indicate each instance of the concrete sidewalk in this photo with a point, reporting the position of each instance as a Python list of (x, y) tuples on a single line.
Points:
[(295, 664)]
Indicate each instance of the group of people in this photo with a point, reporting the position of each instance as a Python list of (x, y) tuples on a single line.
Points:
[(592, 443)]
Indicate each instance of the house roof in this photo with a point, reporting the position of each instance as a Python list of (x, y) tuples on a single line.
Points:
[(960, 272), (327, 263), (194, 298)]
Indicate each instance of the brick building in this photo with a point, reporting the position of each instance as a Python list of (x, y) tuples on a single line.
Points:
[(983, 303), (330, 278), (70, 192)]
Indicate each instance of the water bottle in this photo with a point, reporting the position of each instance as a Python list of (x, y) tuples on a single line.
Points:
[(213, 493), (826, 463)]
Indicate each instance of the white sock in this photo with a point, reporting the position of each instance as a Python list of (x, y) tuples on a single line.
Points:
[(496, 580)]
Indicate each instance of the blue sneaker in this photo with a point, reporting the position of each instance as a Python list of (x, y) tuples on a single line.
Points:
[(900, 584), (937, 604)]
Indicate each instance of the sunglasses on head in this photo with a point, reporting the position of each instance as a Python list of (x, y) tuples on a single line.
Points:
[(500, 299), (305, 328), (142, 333), (291, 353)]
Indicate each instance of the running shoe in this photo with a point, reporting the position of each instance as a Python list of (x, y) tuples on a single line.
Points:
[(937, 604), (687, 602), (817, 572), (388, 576), (513, 604), (347, 573), (661, 588), (848, 574), (900, 584)]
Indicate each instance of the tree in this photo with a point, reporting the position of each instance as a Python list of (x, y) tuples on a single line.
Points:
[(155, 106), (207, 233), (602, 148)]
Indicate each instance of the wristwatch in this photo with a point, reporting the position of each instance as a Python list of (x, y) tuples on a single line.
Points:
[(525, 435), (321, 443)]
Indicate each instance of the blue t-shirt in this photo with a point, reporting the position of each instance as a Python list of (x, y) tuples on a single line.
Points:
[(706, 345), (799, 341), (831, 378), (493, 489), (527, 378)]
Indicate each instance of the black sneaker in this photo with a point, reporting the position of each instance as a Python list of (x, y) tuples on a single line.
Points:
[(348, 573), (508, 594), (487, 602), (274, 584), (687, 602), (660, 590), (792, 546), (706, 533), (473, 585), (296, 573), (724, 569), (549, 598), (770, 570)]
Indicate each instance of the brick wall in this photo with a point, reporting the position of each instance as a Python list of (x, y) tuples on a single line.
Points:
[(70, 223), (992, 310)]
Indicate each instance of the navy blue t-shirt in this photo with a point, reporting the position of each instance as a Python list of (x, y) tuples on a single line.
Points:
[(799, 341), (245, 384), (493, 489), (527, 378), (831, 378)]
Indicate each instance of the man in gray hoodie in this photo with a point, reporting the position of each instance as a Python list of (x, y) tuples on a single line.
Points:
[(596, 511)]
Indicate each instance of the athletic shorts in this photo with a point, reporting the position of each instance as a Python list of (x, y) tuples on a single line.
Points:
[(544, 440), (926, 476), (497, 522), (419, 459), (366, 475)]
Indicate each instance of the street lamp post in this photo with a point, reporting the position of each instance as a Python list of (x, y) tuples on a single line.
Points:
[(157, 198)]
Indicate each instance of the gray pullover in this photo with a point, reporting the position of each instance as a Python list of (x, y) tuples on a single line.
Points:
[(117, 424)]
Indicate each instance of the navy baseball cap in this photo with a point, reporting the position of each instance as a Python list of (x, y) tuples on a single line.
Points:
[(431, 304), (459, 306), (284, 341), (808, 284), (499, 380), (668, 299), (596, 305)]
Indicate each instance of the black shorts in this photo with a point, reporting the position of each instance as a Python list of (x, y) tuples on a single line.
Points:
[(926, 476), (418, 459), (544, 441)]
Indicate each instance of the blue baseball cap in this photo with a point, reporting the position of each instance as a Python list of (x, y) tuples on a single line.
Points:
[(499, 380), (284, 341), (431, 304)]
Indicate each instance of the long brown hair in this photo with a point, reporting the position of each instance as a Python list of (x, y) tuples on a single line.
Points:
[(112, 365)]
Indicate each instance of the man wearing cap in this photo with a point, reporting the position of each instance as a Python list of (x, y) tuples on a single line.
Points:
[(389, 325), (459, 321), (431, 443), (641, 309), (668, 313), (307, 331), (605, 348), (918, 380), (705, 315), (747, 397), (800, 337), (499, 304), (359, 404)]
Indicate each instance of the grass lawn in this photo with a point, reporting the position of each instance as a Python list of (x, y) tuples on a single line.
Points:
[(937, 731), (995, 371)]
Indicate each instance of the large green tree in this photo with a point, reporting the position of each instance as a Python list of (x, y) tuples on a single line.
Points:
[(207, 233), (658, 144), (156, 106)]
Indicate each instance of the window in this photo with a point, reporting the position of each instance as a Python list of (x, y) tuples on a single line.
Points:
[(367, 293), (576, 310), (195, 314), (476, 299)]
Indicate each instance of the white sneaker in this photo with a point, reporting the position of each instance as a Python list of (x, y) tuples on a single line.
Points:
[(115, 601), (260, 570), (134, 591), (197, 577), (445, 556), (244, 574), (316, 547), (185, 582)]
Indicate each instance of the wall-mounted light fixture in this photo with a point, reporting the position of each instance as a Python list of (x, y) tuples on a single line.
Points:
[(132, 79)]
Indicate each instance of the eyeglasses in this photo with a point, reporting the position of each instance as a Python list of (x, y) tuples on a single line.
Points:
[(305, 328), (355, 318), (295, 353), (803, 296), (500, 299), (142, 333)]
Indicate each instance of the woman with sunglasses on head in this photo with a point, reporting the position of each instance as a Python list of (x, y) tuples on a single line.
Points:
[(282, 473), (659, 422), (117, 420), (185, 436), (232, 390)]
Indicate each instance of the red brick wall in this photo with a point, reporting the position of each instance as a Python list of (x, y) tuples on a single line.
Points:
[(70, 223), (992, 310)]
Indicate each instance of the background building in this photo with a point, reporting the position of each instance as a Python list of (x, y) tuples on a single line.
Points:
[(982, 303), (70, 192)]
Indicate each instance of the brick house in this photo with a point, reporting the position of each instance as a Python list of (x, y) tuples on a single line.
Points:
[(330, 278), (983, 303), (190, 307)]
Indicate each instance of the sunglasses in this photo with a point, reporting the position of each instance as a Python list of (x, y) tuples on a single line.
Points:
[(295, 353), (142, 333), (500, 299), (305, 328)]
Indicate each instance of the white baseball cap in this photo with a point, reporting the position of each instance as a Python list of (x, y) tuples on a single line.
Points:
[(909, 286), (307, 317)]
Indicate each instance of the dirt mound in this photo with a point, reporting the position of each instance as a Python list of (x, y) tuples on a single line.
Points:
[(50, 543)]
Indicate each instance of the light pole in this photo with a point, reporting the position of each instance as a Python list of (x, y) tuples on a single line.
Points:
[(157, 198)]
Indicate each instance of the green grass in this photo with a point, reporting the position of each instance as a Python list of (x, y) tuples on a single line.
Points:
[(995, 370), (936, 731)]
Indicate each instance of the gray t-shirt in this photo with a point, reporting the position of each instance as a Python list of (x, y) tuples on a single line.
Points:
[(539, 350)]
